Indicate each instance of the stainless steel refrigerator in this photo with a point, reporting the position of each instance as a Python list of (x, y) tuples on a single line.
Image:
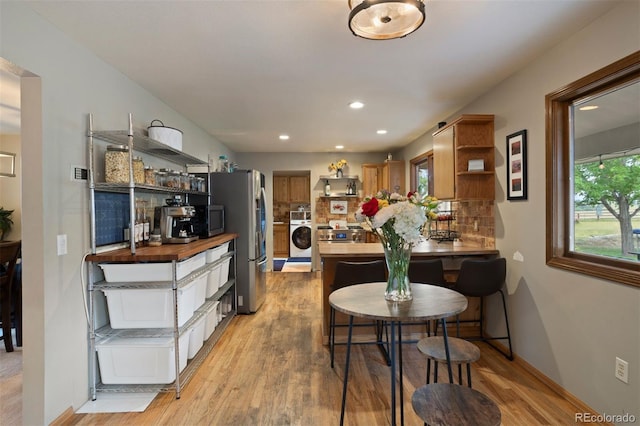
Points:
[(242, 194)]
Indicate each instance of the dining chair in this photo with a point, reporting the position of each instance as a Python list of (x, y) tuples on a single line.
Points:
[(9, 254), (482, 278), (350, 273)]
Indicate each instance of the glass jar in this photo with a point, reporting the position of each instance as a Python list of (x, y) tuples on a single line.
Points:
[(116, 164), (149, 176), (184, 181), (193, 183), (161, 178), (155, 240), (138, 170), (201, 185), (173, 179)]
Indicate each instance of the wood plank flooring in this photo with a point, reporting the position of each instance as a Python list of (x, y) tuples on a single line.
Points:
[(271, 368)]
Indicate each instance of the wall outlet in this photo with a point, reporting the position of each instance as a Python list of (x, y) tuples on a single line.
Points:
[(622, 370), (62, 244)]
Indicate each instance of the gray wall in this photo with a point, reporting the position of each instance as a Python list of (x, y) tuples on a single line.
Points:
[(569, 326)]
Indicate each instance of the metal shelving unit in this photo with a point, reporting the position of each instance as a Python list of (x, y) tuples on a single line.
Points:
[(136, 140), (182, 377)]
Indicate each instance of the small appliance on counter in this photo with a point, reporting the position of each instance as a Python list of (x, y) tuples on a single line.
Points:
[(208, 221), (174, 221)]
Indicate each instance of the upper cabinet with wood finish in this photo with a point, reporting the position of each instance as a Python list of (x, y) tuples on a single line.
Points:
[(388, 175), (291, 189), (299, 189), (467, 141)]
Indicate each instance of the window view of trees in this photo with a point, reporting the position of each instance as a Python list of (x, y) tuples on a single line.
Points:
[(607, 207)]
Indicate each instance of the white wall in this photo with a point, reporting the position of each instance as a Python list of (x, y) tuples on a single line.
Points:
[(74, 83), (569, 326)]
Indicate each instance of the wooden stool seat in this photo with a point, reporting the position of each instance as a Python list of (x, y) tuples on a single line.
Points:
[(451, 404), (460, 352)]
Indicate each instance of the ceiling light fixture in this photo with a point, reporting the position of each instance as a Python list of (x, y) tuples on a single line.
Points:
[(339, 146), (381, 132), (385, 19), (284, 137), (601, 166), (356, 105)]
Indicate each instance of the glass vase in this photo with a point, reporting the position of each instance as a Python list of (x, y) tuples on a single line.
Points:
[(398, 284), (339, 173)]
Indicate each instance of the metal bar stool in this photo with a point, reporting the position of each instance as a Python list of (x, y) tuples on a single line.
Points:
[(451, 404), (460, 351)]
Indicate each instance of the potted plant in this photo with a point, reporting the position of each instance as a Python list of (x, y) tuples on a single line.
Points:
[(5, 222)]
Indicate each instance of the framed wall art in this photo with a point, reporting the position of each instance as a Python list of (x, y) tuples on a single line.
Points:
[(517, 166), (338, 207)]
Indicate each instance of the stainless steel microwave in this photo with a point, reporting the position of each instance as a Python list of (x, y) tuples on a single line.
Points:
[(208, 221)]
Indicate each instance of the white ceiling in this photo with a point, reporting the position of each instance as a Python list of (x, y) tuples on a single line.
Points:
[(247, 71)]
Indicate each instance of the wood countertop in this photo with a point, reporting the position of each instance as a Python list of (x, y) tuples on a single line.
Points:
[(163, 253), (426, 249)]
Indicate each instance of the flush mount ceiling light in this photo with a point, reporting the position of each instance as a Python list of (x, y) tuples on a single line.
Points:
[(284, 137), (385, 19), (356, 105)]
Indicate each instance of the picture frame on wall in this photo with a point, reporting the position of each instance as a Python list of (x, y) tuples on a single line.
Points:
[(517, 166), (338, 207)]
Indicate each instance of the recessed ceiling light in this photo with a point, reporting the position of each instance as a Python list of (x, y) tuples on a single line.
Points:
[(339, 146), (356, 105), (284, 137), (381, 132), (588, 107)]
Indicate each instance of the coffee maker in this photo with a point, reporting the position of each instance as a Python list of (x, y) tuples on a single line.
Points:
[(174, 221)]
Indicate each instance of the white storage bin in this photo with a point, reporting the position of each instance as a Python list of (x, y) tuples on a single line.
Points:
[(147, 272), (213, 281), (214, 253), (224, 271), (140, 360), (149, 308), (196, 337), (210, 320), (200, 290)]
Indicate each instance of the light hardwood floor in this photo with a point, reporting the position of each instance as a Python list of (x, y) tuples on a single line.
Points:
[(272, 369)]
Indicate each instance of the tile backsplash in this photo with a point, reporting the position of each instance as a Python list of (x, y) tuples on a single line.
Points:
[(475, 221), (323, 209)]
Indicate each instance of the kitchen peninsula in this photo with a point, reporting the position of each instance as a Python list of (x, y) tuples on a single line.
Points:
[(452, 256)]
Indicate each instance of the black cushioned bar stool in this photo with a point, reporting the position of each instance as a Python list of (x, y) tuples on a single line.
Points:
[(350, 273), (460, 351)]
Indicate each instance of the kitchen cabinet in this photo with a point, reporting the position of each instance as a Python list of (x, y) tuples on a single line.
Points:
[(470, 137), (299, 189), (388, 175), (280, 240), (281, 189), (179, 320), (291, 189)]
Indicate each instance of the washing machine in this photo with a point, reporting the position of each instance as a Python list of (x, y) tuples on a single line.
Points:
[(300, 234)]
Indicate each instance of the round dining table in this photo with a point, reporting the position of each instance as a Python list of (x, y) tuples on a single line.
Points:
[(429, 302)]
